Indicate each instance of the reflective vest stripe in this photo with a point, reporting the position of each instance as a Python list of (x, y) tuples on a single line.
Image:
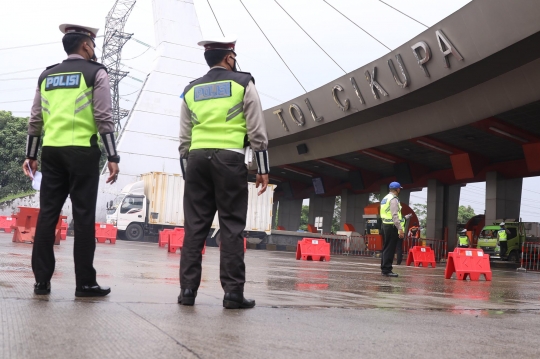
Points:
[(503, 236)]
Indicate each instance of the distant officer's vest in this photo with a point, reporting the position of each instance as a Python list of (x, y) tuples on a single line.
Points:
[(503, 236), (66, 102), (216, 105), (386, 214), (463, 240)]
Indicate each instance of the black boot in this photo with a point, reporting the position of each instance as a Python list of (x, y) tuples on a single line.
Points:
[(42, 288), (92, 291), (187, 297), (236, 300)]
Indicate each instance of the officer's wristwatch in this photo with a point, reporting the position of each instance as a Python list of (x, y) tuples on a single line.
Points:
[(114, 159)]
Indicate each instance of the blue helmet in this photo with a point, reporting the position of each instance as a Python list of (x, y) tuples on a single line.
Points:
[(394, 185)]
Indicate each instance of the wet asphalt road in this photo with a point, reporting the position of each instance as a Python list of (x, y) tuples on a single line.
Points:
[(342, 308)]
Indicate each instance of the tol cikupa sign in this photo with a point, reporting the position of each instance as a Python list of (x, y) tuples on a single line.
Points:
[(420, 50)]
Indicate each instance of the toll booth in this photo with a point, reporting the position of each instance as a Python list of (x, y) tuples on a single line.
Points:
[(373, 231)]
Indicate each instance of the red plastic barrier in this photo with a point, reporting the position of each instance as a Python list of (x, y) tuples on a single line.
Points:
[(164, 237), (106, 232), (25, 225), (314, 249), (176, 240), (58, 230), (468, 262), (6, 223), (421, 255), (63, 230)]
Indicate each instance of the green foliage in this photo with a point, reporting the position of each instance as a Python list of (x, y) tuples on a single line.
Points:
[(374, 197), (16, 195), (13, 132), (465, 213), (421, 212), (336, 225), (304, 218)]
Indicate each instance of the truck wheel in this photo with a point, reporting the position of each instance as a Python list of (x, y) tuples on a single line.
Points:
[(134, 232), (513, 256)]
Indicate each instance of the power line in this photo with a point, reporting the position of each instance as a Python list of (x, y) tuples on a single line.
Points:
[(18, 72), (18, 78), (310, 36), (16, 101), (401, 12), (133, 58), (267, 39), (219, 25), (215, 17), (20, 47), (358, 26)]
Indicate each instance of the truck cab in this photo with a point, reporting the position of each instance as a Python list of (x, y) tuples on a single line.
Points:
[(487, 240), (128, 211)]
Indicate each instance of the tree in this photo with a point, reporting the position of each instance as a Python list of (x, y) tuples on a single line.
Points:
[(13, 132), (420, 210), (465, 213), (374, 197), (336, 219), (304, 218)]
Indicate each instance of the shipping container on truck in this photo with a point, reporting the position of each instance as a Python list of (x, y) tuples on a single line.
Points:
[(156, 202)]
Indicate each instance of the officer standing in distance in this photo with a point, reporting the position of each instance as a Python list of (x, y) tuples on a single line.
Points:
[(393, 229), (463, 239), (502, 240), (221, 116), (72, 104)]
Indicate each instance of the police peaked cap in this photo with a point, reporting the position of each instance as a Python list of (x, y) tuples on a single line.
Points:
[(91, 32), (218, 43)]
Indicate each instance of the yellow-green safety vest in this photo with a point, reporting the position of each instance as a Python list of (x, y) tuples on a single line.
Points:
[(216, 105), (66, 101), (503, 236), (463, 240), (385, 213)]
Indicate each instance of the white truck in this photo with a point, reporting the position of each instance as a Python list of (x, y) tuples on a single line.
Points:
[(156, 202)]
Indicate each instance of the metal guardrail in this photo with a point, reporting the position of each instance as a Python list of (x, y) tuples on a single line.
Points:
[(530, 256)]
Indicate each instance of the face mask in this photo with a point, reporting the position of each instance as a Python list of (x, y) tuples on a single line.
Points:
[(234, 67)]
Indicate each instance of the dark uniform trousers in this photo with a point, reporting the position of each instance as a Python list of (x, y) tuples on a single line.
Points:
[(215, 180), (503, 245), (72, 171), (390, 240)]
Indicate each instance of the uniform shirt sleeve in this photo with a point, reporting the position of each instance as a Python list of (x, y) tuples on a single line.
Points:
[(185, 130), (102, 103), (256, 128), (103, 112), (35, 127), (394, 209)]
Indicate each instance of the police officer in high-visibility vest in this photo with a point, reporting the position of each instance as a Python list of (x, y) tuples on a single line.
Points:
[(463, 239), (221, 116), (502, 240), (71, 106), (392, 223)]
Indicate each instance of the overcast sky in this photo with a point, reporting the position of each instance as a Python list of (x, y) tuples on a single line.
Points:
[(314, 43)]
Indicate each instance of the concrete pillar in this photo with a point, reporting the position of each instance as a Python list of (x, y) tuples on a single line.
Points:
[(290, 211), (435, 210), (503, 197), (442, 211), (383, 190), (352, 209), (451, 208), (405, 196), (322, 207), (274, 214)]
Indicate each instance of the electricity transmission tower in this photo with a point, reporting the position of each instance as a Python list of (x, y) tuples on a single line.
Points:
[(115, 39)]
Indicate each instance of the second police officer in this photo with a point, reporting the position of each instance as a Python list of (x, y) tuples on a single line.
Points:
[(392, 225), (221, 116), (463, 239), (72, 105)]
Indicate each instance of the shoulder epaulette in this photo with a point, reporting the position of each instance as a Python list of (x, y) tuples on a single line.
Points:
[(50, 67)]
